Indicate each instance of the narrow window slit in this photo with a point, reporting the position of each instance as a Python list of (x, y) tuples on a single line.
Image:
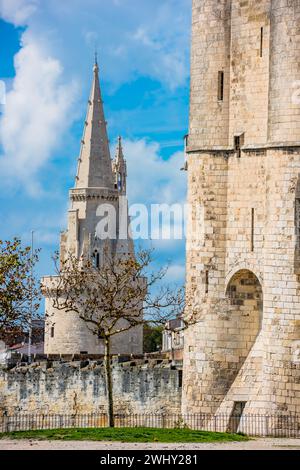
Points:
[(96, 257), (220, 86), (252, 228), (180, 379), (206, 281), (261, 41)]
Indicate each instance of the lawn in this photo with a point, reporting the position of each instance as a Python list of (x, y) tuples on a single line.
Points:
[(126, 435)]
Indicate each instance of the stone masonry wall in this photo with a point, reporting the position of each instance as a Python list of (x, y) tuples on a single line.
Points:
[(209, 117), (79, 387), (243, 271), (266, 183), (249, 70)]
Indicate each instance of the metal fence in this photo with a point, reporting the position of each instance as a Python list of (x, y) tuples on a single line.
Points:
[(253, 425)]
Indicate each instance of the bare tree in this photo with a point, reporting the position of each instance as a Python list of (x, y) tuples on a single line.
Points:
[(114, 298)]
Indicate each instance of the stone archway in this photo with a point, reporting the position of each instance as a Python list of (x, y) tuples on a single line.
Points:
[(246, 299), (245, 295)]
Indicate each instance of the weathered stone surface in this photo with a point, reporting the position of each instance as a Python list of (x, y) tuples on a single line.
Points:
[(243, 271), (79, 387)]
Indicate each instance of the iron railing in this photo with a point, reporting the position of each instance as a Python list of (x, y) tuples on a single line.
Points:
[(287, 425)]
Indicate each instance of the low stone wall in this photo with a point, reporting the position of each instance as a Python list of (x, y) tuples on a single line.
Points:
[(70, 387)]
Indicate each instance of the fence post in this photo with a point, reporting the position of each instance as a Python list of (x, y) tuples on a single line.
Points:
[(5, 423), (267, 427)]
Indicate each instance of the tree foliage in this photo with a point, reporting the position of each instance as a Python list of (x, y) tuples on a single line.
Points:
[(19, 291), (152, 338)]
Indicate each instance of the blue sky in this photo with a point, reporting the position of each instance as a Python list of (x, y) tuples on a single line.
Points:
[(46, 58)]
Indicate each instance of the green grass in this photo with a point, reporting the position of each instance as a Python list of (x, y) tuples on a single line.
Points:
[(126, 435)]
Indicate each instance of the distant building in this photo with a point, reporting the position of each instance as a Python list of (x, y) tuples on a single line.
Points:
[(173, 338), (99, 182), (3, 351), (18, 343)]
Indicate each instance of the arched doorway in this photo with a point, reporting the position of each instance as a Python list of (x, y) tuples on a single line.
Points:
[(246, 299), (246, 310)]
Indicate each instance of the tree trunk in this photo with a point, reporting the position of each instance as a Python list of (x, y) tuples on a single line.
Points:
[(109, 384)]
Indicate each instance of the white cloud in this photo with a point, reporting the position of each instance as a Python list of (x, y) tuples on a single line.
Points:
[(49, 238), (152, 179), (36, 115), (176, 273), (17, 11), (141, 35), (91, 39), (134, 37), (166, 53)]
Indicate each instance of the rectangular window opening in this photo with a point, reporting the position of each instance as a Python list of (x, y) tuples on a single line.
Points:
[(52, 332), (261, 41), (235, 417), (238, 143), (180, 379), (220, 86)]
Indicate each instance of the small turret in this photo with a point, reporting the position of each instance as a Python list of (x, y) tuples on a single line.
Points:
[(120, 169)]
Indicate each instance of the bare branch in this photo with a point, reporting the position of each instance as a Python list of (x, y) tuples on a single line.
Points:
[(118, 296)]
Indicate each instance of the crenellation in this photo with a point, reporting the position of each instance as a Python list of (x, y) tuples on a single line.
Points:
[(141, 386)]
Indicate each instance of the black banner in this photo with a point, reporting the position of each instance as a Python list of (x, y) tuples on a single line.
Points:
[(136, 459)]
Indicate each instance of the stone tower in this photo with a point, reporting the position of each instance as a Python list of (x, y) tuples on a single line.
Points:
[(99, 181), (243, 246)]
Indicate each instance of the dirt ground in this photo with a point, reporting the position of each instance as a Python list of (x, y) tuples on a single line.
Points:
[(255, 444)]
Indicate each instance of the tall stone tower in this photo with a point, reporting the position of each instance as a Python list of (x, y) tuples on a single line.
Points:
[(99, 181), (243, 355)]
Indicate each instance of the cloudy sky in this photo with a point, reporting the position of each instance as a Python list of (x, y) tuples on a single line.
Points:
[(46, 58)]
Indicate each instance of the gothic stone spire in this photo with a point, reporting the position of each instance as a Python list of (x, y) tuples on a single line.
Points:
[(94, 167)]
